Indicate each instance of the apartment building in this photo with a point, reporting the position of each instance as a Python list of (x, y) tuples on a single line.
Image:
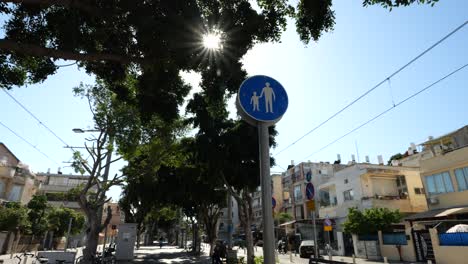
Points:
[(444, 173), (17, 182), (223, 226), (294, 182), (55, 185), (277, 195), (364, 186)]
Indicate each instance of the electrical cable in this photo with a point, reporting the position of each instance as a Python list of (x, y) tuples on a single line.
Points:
[(29, 143), (388, 110), (373, 88), (37, 119)]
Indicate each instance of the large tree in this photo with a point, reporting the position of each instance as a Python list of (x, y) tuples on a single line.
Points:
[(115, 123), (155, 39)]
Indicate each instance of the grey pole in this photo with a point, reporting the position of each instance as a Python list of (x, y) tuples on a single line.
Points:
[(68, 234), (315, 236), (229, 222), (268, 232)]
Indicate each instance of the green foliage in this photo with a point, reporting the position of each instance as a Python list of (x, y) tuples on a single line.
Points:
[(59, 219), (37, 214), (283, 217), (395, 157), (396, 3), (12, 216), (258, 260), (370, 220), (140, 47)]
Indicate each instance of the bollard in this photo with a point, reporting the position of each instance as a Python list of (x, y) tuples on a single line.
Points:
[(290, 257), (354, 259), (385, 260), (429, 261)]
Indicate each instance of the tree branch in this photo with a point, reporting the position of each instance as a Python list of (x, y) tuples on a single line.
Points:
[(39, 51), (117, 159), (65, 3)]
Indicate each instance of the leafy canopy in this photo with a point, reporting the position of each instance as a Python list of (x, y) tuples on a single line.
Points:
[(12, 216), (59, 219), (371, 220), (153, 41)]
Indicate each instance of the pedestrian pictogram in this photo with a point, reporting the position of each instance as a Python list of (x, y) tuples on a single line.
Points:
[(262, 98)]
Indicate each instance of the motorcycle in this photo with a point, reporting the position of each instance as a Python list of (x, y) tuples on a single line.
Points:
[(282, 247)]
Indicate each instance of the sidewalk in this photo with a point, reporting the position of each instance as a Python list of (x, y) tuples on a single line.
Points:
[(293, 258)]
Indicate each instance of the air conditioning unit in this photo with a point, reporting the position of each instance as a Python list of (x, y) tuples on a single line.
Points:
[(432, 200)]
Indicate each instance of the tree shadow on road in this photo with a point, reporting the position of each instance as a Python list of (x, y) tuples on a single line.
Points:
[(153, 256)]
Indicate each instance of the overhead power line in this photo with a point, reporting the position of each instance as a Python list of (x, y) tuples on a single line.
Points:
[(29, 143), (35, 117), (373, 88), (388, 110)]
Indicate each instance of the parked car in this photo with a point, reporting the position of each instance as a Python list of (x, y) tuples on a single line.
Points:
[(306, 249)]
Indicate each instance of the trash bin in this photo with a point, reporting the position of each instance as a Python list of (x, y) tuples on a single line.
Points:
[(231, 257)]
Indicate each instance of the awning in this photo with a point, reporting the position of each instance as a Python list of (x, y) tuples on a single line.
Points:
[(288, 223), (438, 213)]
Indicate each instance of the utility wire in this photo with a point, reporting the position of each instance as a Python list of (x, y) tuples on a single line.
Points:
[(29, 143), (389, 109), (35, 117), (373, 88)]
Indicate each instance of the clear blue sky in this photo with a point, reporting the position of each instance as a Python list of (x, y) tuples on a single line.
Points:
[(367, 45)]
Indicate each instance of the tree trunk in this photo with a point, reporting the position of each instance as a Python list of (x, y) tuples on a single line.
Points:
[(92, 237), (245, 215), (138, 236), (194, 238), (247, 222)]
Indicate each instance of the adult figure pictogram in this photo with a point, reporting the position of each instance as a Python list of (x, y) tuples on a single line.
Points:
[(269, 97)]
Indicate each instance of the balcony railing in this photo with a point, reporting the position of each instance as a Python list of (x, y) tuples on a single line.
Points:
[(404, 205)]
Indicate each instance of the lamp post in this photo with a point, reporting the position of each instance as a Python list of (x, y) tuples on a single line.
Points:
[(105, 176)]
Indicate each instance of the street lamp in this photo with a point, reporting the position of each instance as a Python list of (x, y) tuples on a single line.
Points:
[(80, 130)]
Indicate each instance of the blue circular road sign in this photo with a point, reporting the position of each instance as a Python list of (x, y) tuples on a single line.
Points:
[(310, 191), (262, 99), (309, 176)]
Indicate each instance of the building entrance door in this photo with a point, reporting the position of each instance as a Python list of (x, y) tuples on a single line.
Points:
[(423, 245), (348, 244)]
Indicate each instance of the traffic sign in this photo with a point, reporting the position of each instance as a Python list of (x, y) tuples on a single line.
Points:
[(327, 222), (310, 205), (310, 192), (262, 99), (327, 228), (273, 202), (309, 176)]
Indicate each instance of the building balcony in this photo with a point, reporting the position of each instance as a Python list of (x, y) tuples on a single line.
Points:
[(7, 171), (390, 202), (67, 204)]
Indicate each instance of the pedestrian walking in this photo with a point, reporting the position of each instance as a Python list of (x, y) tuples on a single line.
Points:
[(161, 239)]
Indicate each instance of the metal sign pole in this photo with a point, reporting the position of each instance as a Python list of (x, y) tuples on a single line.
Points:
[(68, 233), (315, 237), (268, 232)]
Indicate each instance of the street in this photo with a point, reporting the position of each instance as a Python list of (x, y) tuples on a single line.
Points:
[(170, 254)]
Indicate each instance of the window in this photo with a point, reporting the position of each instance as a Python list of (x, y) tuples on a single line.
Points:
[(2, 188), (462, 178), (15, 193), (439, 183), (297, 192), (348, 195), (418, 190)]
